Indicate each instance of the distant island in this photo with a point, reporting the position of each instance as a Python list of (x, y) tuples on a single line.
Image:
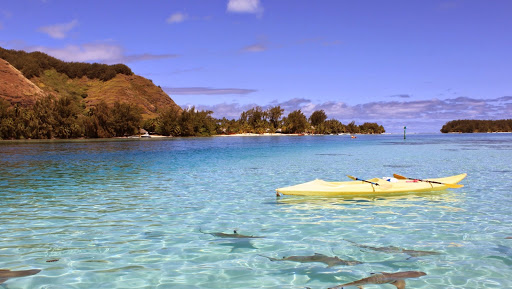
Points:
[(474, 126), (42, 97)]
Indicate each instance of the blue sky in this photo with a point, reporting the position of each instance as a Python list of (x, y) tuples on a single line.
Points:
[(394, 62)]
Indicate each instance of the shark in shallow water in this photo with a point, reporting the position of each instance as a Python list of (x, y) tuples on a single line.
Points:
[(8, 274), (392, 249), (396, 279), (321, 258), (233, 235), (239, 241)]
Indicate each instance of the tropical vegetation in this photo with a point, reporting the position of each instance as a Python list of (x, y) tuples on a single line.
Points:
[(33, 64), (69, 111), (66, 117), (473, 125)]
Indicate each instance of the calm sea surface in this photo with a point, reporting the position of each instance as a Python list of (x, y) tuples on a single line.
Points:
[(137, 213)]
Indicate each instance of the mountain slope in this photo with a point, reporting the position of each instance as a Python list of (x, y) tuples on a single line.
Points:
[(131, 89), (15, 88), (91, 83)]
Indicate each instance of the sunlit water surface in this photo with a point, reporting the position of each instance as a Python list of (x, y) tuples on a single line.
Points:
[(136, 213)]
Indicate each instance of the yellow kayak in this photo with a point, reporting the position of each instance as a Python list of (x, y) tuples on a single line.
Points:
[(375, 186)]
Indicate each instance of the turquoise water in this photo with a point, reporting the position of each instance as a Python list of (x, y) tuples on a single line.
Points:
[(136, 213)]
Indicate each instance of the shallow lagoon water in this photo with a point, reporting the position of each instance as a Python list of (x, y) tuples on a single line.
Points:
[(137, 213)]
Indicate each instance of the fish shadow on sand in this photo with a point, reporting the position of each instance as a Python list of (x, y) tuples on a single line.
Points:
[(313, 273), (505, 254), (396, 279), (396, 250), (317, 258), (8, 274), (237, 245)]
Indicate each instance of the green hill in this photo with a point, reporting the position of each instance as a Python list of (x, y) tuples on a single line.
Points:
[(37, 75)]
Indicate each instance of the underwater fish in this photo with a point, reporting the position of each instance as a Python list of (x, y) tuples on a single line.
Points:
[(329, 261), (234, 235), (8, 274), (392, 249), (396, 279)]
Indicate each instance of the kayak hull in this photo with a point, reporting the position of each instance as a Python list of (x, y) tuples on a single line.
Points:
[(357, 188)]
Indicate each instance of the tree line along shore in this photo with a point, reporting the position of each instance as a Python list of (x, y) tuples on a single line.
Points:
[(68, 111), (66, 117), (476, 126)]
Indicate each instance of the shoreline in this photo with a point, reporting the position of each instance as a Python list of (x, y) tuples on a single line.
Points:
[(156, 136), (256, 134)]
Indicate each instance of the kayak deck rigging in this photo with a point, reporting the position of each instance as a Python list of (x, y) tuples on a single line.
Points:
[(371, 186)]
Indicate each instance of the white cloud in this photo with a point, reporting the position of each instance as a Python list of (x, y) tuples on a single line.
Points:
[(255, 48), (206, 91), (58, 31), (245, 6), (84, 53), (401, 95), (177, 17), (448, 109), (97, 52)]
